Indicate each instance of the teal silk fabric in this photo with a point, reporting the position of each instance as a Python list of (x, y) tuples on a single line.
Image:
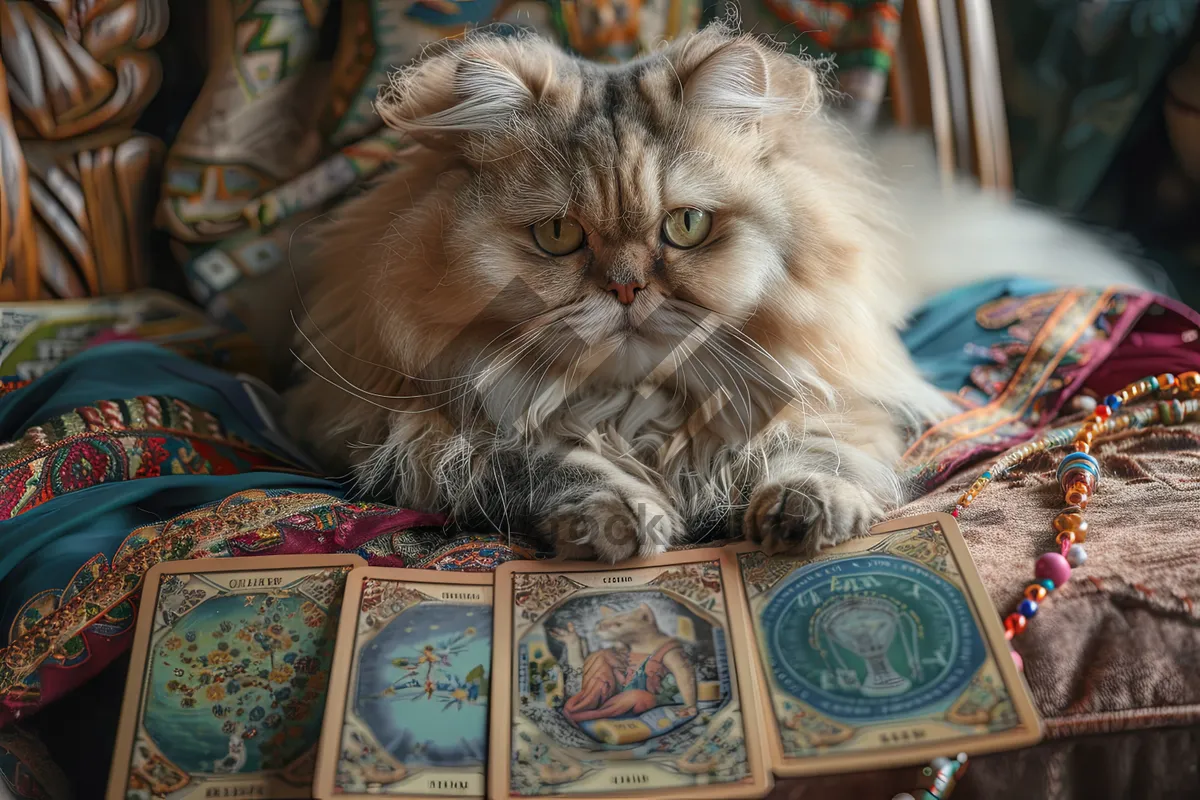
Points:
[(82, 514)]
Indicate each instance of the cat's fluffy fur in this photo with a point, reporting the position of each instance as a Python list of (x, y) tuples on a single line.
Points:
[(756, 384)]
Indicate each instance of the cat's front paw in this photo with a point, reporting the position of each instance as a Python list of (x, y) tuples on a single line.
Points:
[(612, 524), (803, 515)]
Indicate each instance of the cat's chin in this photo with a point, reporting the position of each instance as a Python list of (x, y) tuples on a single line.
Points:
[(629, 355)]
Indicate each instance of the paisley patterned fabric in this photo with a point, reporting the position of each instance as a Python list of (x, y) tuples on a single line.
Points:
[(1027, 353), (118, 440)]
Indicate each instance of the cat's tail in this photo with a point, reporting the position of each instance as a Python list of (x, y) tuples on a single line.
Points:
[(957, 235)]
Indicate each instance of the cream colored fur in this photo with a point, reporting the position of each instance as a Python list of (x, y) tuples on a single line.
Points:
[(756, 384)]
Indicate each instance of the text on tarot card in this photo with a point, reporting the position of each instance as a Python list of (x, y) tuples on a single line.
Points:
[(898, 737), (254, 583), (444, 784), (236, 791), (462, 596), (627, 780)]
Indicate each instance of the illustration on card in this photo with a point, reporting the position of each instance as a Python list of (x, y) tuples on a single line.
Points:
[(236, 680), (862, 640), (640, 673), (416, 716)]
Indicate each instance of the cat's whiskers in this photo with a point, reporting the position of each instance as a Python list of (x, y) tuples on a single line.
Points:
[(357, 390), (797, 395)]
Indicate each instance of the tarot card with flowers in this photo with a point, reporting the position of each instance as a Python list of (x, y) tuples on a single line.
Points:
[(228, 678)]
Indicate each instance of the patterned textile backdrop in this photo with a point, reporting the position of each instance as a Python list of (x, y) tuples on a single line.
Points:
[(256, 159)]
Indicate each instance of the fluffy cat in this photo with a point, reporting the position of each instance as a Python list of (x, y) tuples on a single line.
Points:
[(617, 305)]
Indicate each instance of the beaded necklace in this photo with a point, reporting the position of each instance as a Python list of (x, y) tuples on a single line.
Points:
[(1079, 477)]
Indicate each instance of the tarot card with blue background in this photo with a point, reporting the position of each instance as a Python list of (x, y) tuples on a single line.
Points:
[(228, 678), (620, 682), (408, 708), (885, 650)]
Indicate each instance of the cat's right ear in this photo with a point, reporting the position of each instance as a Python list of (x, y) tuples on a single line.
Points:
[(478, 86)]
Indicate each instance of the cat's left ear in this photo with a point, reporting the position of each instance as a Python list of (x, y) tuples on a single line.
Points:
[(478, 85), (736, 78), (731, 82)]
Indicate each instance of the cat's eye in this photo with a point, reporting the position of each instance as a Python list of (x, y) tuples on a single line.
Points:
[(560, 236), (686, 227)]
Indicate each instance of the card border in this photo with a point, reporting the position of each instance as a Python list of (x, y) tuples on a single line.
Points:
[(500, 724), (1029, 726), (118, 778), (325, 775)]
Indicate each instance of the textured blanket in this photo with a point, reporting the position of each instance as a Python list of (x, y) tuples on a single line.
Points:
[(128, 454)]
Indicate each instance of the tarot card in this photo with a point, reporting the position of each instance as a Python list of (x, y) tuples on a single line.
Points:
[(228, 677), (408, 699), (36, 337), (621, 682), (883, 651)]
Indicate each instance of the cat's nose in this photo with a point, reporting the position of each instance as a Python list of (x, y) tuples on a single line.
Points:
[(625, 292)]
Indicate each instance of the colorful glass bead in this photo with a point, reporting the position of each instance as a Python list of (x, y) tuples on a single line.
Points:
[(903, 796), (1102, 412), (1078, 475), (1165, 381), (1014, 624), (1070, 521), (1171, 412), (1113, 402), (1152, 382), (1188, 382), (1046, 584), (1082, 461), (1020, 662), (1081, 402), (1054, 567), (1027, 608), (1078, 495), (1076, 556), (1036, 592), (1065, 536)]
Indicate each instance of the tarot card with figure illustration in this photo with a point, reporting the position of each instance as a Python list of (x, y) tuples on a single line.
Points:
[(227, 681), (408, 698), (621, 682), (883, 651)]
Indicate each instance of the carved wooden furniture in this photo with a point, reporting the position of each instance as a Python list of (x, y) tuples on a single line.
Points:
[(77, 184)]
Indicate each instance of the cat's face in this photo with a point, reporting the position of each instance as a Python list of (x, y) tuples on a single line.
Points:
[(618, 206), (624, 626)]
